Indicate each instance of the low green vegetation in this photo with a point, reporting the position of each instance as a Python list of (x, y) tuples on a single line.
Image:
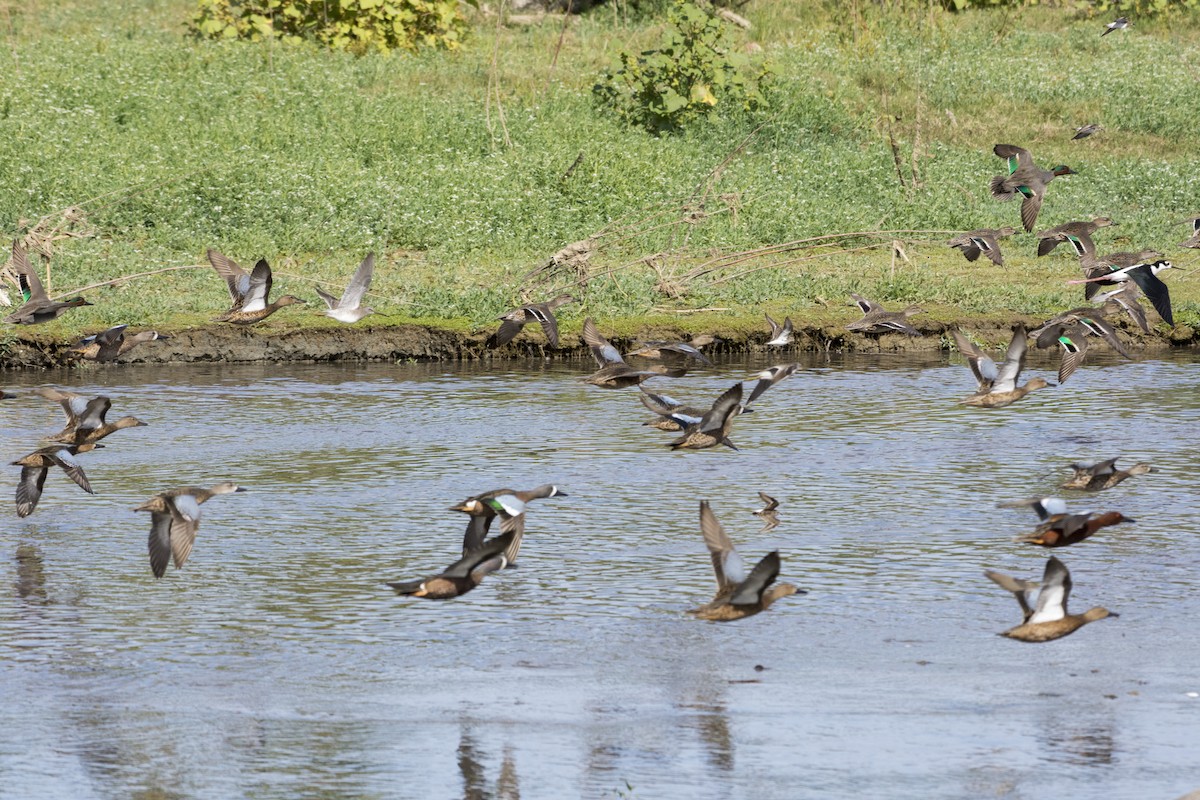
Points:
[(355, 25), (468, 171)]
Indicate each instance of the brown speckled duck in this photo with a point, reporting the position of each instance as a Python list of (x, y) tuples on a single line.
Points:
[(85, 418), (1048, 620), (997, 385), (614, 373), (249, 292), (738, 595), (108, 345), (1103, 475), (35, 467), (174, 521)]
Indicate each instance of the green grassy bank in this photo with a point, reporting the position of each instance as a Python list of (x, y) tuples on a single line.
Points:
[(454, 167)]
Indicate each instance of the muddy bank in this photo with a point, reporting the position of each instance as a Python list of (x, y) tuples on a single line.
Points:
[(430, 343)]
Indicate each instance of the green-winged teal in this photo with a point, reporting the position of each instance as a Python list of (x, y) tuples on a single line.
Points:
[(984, 241), (463, 575), (109, 344), (511, 322), (876, 319), (1144, 274), (509, 505), (174, 521), (85, 417), (35, 467), (781, 335), (1048, 620), (769, 513), (1071, 330), (1118, 24), (738, 595), (614, 373), (713, 428), (1084, 131), (1078, 234), (1125, 298), (349, 308), (1103, 475), (1194, 241), (249, 292), (1025, 179), (37, 308), (997, 385), (768, 378), (678, 351)]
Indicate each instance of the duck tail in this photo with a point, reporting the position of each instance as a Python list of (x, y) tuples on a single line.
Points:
[(998, 189)]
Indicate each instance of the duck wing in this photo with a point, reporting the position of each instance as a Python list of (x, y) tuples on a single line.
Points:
[(236, 278), (65, 461), (1075, 346), (605, 354), (750, 591), (29, 489), (477, 529), (1052, 599), (867, 307), (982, 366), (260, 287), (727, 564), (185, 522), (1014, 361), (1017, 157), (728, 403), (31, 285), (509, 328), (1021, 589), (159, 542), (549, 322), (490, 549)]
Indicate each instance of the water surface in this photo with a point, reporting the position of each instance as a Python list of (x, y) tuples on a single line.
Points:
[(276, 664)]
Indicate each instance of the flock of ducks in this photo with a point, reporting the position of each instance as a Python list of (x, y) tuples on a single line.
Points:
[(175, 513)]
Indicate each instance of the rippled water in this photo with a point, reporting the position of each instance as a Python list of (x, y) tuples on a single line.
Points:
[(276, 664)]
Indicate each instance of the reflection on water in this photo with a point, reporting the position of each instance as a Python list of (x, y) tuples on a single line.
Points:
[(276, 664)]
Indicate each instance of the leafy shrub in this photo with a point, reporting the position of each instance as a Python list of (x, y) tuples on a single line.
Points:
[(356, 25), (694, 71)]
